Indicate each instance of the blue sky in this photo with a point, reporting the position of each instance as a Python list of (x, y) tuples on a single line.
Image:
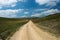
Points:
[(28, 8)]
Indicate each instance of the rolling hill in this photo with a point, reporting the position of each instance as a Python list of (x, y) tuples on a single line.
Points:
[(9, 25), (51, 24)]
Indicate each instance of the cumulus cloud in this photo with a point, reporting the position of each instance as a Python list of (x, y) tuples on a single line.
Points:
[(35, 15), (10, 13), (20, 0), (51, 4), (52, 11), (48, 2), (8, 3), (40, 10), (45, 13), (42, 1), (26, 12)]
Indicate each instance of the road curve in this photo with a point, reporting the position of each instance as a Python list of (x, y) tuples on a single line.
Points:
[(30, 31)]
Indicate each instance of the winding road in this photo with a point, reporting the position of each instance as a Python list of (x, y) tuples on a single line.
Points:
[(30, 31)]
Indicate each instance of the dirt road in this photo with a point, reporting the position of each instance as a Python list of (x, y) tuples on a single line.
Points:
[(30, 31)]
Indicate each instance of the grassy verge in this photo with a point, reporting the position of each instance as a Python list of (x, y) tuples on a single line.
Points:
[(8, 27)]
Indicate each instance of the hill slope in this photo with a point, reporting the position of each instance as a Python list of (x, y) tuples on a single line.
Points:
[(9, 26), (51, 24)]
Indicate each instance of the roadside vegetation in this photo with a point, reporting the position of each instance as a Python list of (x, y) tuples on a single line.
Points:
[(9, 26), (51, 24)]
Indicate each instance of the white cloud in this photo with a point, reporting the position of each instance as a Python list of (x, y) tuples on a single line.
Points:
[(48, 2), (36, 10), (45, 13), (35, 15), (26, 12), (52, 11), (9, 13), (51, 4), (8, 3), (42, 1), (22, 0)]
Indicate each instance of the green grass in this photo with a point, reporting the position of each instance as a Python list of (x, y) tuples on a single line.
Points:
[(51, 24), (9, 26)]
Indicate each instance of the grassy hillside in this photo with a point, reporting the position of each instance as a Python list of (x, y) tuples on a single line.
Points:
[(51, 24), (9, 26)]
